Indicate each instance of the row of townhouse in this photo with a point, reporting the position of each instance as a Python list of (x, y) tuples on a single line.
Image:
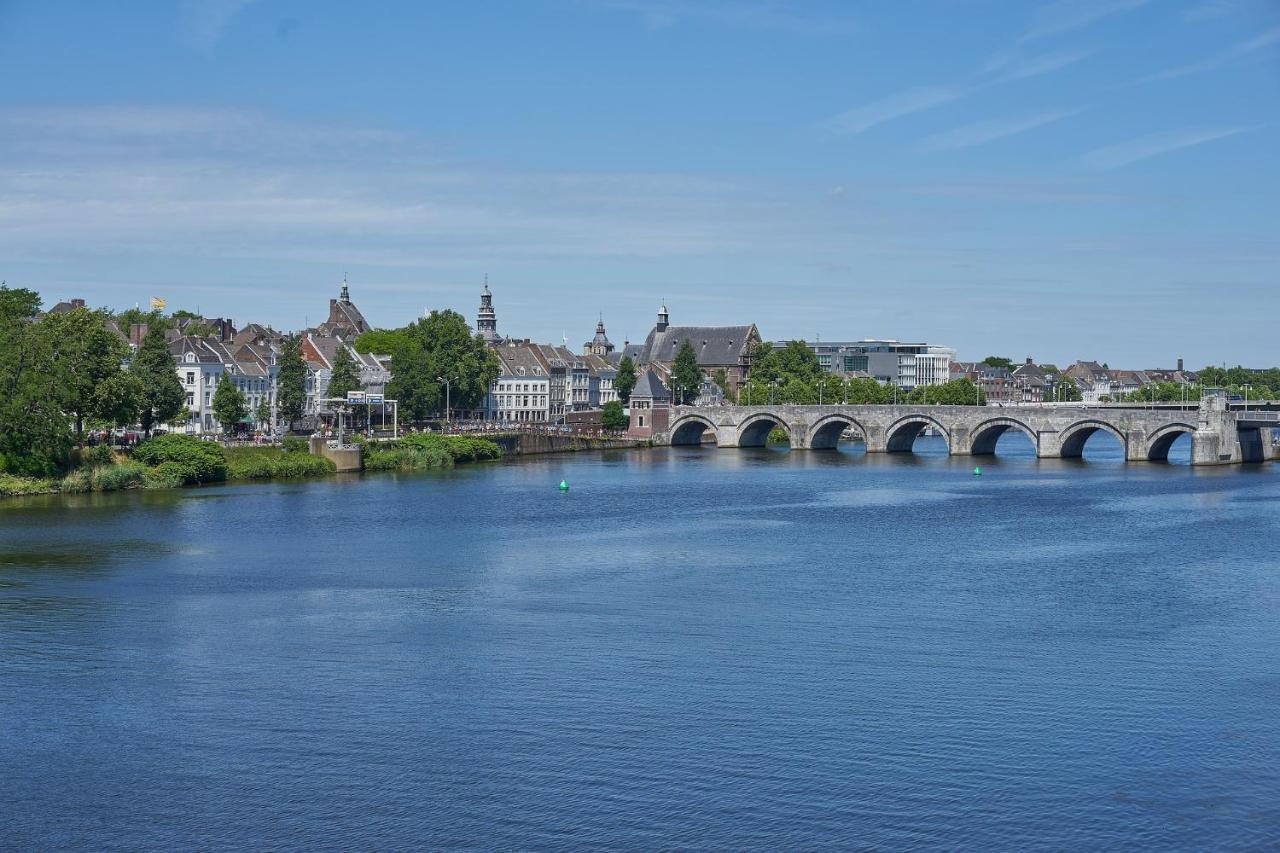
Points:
[(250, 359), (201, 362), (319, 353), (540, 383), (1044, 383), (1099, 383)]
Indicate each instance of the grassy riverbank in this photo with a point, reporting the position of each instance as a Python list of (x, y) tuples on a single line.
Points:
[(170, 461)]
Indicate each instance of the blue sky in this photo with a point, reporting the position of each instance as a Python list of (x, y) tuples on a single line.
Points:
[(1085, 179)]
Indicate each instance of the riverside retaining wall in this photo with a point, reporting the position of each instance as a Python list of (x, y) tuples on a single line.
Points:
[(527, 444)]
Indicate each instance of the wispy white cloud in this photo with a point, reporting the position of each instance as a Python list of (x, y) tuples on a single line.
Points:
[(862, 119), (1067, 16), (1210, 9), (982, 132), (1134, 150), (1237, 52), (1009, 67), (243, 185), (732, 13), (1003, 68)]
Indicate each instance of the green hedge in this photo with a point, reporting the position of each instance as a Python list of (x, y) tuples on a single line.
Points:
[(197, 461)]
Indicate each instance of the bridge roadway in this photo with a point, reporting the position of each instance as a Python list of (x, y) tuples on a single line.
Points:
[(1219, 435)]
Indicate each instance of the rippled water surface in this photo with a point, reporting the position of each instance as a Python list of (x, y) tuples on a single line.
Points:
[(691, 648)]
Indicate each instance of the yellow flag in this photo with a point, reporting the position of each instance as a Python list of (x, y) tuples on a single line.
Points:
[(157, 304)]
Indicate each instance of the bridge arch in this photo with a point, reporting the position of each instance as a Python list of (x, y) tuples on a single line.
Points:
[(689, 429), (754, 429), (1072, 438), (902, 433), (1162, 439), (983, 437), (826, 431)]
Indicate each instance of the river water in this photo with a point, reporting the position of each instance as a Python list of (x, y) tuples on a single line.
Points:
[(691, 648)]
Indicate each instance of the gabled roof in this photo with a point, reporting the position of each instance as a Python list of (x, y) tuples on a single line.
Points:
[(520, 360), (713, 345), (650, 386)]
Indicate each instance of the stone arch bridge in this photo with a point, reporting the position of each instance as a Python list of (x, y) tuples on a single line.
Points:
[(1218, 436)]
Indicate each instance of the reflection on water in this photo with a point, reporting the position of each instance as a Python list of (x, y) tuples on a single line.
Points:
[(692, 647)]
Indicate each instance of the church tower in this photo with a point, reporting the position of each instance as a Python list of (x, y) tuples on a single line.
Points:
[(664, 319), (486, 319), (599, 345)]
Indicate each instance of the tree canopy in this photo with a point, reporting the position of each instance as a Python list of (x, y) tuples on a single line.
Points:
[(686, 376), (85, 354), (35, 434), (162, 393), (229, 405), (437, 347), (625, 379), (612, 417), (291, 382), (344, 377)]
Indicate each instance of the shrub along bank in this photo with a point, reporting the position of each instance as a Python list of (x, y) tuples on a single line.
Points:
[(425, 451), (169, 461)]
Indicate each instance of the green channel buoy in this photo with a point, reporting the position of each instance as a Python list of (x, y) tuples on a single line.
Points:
[(564, 486), (977, 472)]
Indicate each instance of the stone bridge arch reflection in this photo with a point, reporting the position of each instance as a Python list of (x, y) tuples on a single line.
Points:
[(691, 430), (985, 435), (825, 434), (754, 429), (1074, 437), (902, 433), (1162, 439)]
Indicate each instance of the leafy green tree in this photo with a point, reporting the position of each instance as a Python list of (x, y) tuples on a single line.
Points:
[(118, 399), (998, 361), (612, 417), (625, 380), (721, 377), (686, 376), (291, 383), (162, 393), (345, 376), (956, 392), (830, 389), (440, 345), (799, 392), (35, 435), (1065, 391), (153, 319), (381, 341), (228, 405), (262, 414), (85, 354), (864, 390)]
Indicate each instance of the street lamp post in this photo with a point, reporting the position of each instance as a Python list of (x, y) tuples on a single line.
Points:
[(1246, 396), (773, 383), (446, 401)]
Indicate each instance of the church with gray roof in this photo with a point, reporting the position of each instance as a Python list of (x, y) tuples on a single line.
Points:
[(727, 348)]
